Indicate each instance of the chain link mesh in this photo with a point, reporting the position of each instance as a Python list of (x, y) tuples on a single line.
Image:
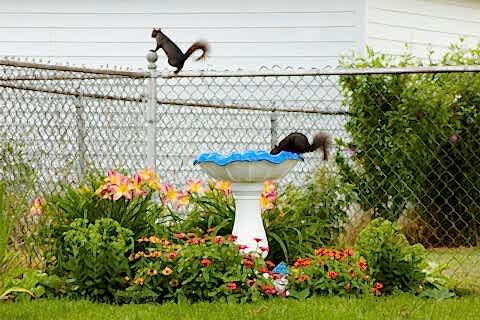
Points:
[(72, 119)]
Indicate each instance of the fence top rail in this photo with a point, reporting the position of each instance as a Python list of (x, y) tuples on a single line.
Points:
[(242, 73), (317, 72), (34, 65)]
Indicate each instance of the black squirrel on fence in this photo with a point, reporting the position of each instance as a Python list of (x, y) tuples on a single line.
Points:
[(297, 142), (176, 58)]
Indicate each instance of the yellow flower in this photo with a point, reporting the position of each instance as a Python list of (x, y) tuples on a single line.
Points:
[(264, 203), (139, 281), (224, 186), (36, 209), (152, 272), (122, 190), (167, 271), (268, 186), (170, 194), (150, 178), (194, 186), (183, 198)]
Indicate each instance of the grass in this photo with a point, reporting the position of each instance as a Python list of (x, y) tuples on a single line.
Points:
[(462, 267), (332, 308)]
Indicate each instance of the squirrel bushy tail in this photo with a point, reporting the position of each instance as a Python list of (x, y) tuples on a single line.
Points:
[(321, 140), (199, 45)]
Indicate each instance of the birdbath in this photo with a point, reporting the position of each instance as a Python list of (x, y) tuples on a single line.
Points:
[(247, 171)]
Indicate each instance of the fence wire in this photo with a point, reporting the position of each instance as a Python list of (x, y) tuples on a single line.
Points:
[(406, 139)]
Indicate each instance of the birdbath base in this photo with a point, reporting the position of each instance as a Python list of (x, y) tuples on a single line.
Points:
[(248, 226)]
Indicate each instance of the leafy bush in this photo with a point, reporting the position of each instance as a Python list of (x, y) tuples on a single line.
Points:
[(91, 258), (414, 142), (329, 272), (197, 269), (17, 178), (391, 259), (121, 198), (307, 217), (212, 208)]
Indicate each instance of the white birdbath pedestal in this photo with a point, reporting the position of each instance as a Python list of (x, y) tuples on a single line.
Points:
[(247, 171)]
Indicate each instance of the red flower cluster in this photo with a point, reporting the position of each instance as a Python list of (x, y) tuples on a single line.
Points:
[(363, 265), (302, 278), (332, 253), (269, 290), (302, 262), (232, 286), (377, 288), (205, 262)]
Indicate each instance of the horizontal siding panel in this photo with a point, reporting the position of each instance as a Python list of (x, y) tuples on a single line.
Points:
[(313, 49), (413, 35), (460, 10), (180, 36), (246, 34), (100, 21), (172, 6), (420, 21), (424, 25)]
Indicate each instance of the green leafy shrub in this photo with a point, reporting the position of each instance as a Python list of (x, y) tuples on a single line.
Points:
[(329, 272), (414, 142), (195, 268), (91, 258), (391, 259), (307, 217), (212, 208), (125, 200)]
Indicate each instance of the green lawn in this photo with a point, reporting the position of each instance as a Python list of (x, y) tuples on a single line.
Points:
[(331, 308), (463, 267)]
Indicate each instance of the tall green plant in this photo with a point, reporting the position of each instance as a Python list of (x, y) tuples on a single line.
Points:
[(92, 258), (307, 217), (391, 259), (413, 144), (136, 213)]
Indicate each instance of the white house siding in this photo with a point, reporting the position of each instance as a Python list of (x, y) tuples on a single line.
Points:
[(243, 34), (424, 25)]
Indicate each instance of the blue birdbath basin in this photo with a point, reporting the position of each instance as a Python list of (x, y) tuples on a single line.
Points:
[(247, 172)]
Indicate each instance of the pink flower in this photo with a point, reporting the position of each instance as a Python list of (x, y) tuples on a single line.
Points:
[(250, 282), (232, 286), (268, 289), (136, 186), (232, 238), (170, 194), (36, 209), (264, 249), (194, 186), (454, 138), (248, 263), (257, 240), (180, 235), (224, 186), (182, 199), (121, 190), (171, 256), (332, 275), (205, 262), (270, 264), (219, 240), (242, 247)]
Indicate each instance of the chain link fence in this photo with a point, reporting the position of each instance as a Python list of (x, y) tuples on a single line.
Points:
[(406, 139)]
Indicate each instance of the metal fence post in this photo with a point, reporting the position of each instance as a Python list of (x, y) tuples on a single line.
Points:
[(273, 128), (150, 112), (81, 147)]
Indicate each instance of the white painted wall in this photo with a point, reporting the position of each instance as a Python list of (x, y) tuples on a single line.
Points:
[(424, 24), (243, 34)]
